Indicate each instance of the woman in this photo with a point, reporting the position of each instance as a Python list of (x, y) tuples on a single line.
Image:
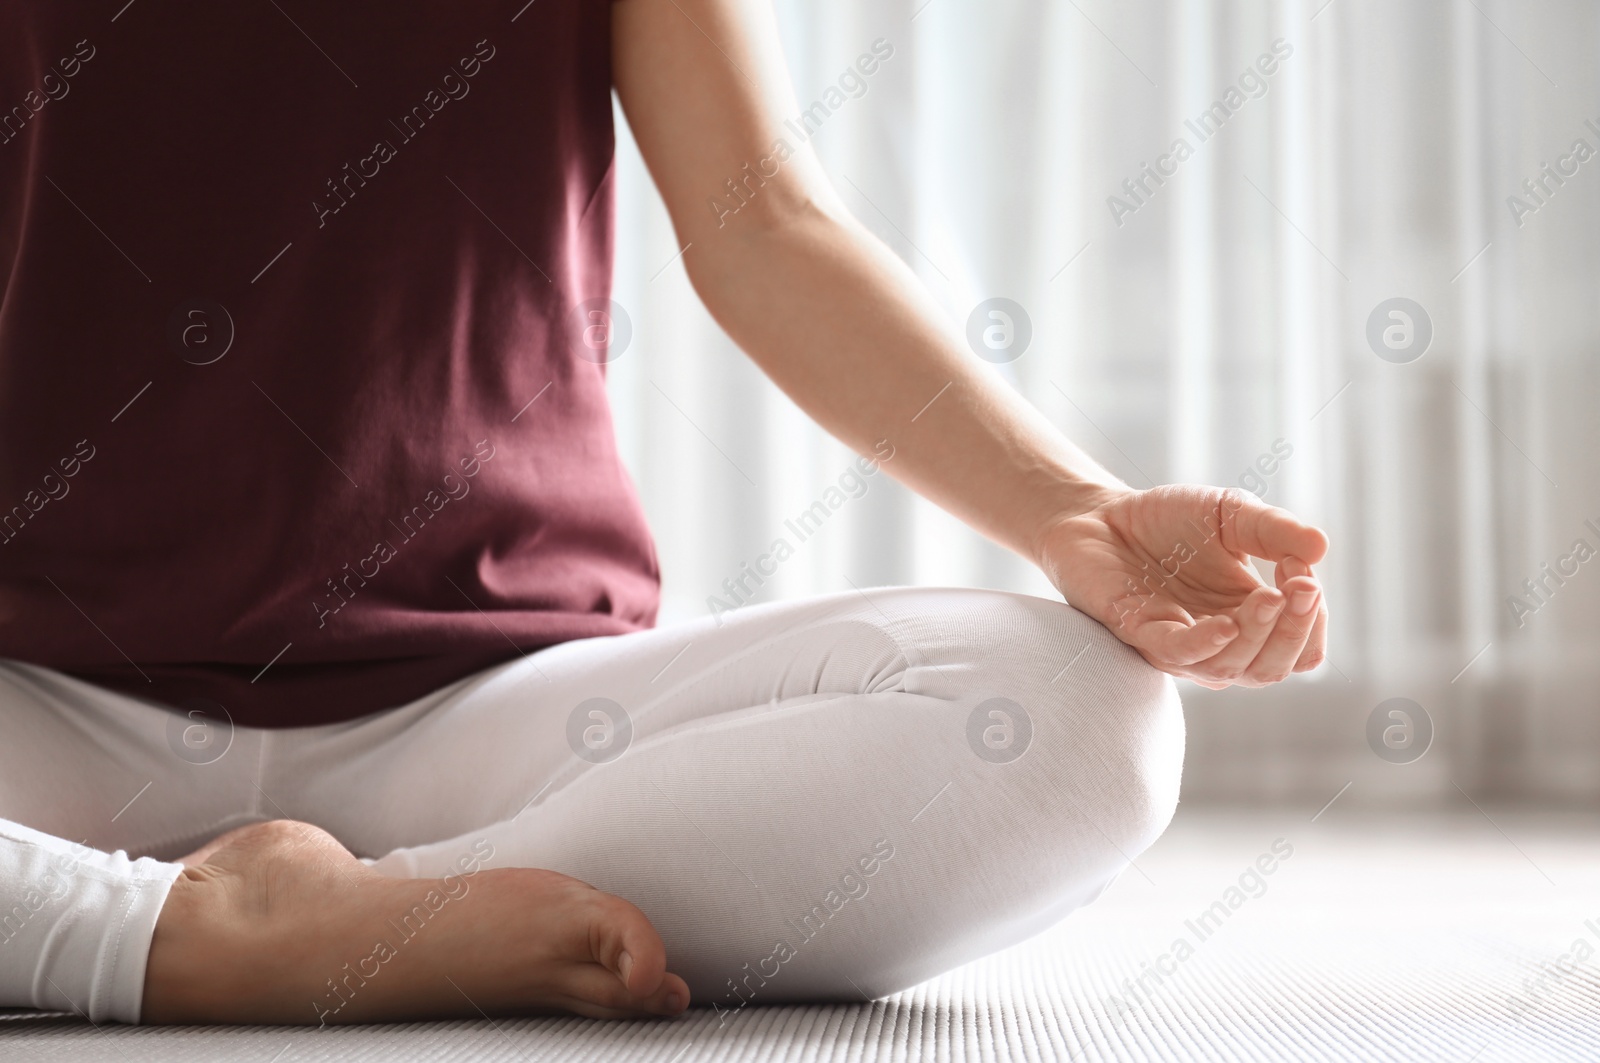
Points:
[(324, 594)]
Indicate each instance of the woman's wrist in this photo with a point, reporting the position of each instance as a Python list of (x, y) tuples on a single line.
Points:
[(1068, 502)]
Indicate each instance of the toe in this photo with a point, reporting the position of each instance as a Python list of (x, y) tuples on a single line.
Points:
[(592, 990), (622, 941)]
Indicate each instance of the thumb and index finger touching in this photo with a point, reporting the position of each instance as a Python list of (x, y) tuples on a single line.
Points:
[(1165, 631)]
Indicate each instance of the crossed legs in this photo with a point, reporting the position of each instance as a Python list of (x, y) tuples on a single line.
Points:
[(826, 799)]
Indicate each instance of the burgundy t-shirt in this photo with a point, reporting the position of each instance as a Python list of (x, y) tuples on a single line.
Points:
[(303, 326)]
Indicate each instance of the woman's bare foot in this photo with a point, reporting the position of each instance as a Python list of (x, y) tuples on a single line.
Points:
[(277, 923)]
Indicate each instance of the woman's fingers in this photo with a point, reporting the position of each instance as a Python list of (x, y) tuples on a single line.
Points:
[(1170, 639), (1272, 633), (1283, 647), (1316, 646), (1256, 617), (1250, 526)]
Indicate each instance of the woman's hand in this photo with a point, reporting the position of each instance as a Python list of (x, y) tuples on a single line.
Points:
[(1168, 571)]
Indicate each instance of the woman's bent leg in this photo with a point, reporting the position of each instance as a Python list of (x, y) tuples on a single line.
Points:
[(815, 800)]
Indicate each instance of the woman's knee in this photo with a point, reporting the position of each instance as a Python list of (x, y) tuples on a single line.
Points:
[(1012, 756), (1060, 789), (1067, 767), (1059, 713), (1104, 729)]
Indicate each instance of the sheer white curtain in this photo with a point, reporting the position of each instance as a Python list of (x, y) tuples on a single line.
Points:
[(1210, 323)]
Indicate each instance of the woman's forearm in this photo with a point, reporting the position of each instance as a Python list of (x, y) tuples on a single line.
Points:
[(850, 334)]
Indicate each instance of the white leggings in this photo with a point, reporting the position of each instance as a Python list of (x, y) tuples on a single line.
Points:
[(833, 798)]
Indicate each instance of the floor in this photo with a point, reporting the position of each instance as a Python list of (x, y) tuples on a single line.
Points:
[(1471, 936)]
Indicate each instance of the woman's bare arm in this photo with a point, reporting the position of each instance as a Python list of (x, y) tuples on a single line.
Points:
[(848, 332)]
